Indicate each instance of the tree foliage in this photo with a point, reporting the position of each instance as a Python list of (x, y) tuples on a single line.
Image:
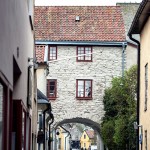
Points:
[(120, 112)]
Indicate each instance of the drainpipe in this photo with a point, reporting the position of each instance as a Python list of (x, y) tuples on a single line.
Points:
[(138, 87), (52, 120), (48, 108), (123, 58), (66, 136)]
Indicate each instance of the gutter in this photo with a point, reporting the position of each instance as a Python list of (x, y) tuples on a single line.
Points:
[(73, 43), (123, 58), (52, 120), (138, 86)]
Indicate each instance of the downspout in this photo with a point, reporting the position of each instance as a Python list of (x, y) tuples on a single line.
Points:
[(138, 87), (48, 108), (123, 58), (52, 120), (66, 136)]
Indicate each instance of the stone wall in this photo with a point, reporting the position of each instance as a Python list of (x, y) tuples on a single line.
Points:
[(107, 63)]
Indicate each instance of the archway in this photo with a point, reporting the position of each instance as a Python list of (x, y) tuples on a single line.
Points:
[(88, 122)]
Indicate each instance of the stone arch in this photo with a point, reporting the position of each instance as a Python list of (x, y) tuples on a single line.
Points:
[(85, 121), (88, 122)]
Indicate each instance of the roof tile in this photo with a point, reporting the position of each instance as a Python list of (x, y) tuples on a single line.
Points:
[(97, 23), (40, 50)]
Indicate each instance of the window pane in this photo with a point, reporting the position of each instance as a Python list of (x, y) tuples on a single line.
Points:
[(88, 89), (80, 53), (80, 88), (52, 91), (1, 114), (52, 54), (88, 53), (81, 58)]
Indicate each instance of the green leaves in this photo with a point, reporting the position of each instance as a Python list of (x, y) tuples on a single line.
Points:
[(120, 112)]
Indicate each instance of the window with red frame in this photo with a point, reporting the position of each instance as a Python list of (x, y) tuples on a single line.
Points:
[(84, 53), (51, 88), (52, 52), (84, 88)]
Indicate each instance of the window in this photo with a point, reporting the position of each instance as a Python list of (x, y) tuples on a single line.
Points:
[(84, 54), (145, 139), (84, 136), (146, 85), (51, 88), (59, 143), (52, 53), (84, 89)]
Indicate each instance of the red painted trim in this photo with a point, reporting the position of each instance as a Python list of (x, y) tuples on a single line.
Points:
[(76, 88), (29, 146), (84, 53), (25, 122), (11, 118), (83, 98), (19, 108), (48, 89), (5, 125), (7, 113)]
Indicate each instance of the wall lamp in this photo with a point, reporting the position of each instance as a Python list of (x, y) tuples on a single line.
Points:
[(34, 60), (136, 126)]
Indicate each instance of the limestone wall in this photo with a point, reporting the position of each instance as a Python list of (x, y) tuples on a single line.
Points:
[(107, 63)]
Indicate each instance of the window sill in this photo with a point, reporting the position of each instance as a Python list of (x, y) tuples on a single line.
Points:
[(84, 61), (84, 98), (52, 98)]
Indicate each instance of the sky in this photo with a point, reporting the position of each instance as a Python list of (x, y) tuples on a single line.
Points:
[(82, 2)]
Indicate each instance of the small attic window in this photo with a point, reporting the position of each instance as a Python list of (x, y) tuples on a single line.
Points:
[(77, 18)]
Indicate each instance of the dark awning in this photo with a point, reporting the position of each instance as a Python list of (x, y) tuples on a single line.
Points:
[(41, 98)]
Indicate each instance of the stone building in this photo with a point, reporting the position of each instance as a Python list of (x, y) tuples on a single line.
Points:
[(84, 48), (17, 97)]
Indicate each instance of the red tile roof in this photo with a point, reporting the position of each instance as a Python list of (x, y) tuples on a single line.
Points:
[(40, 50), (90, 133), (97, 23)]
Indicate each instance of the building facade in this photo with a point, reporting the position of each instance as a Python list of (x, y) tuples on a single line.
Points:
[(17, 74), (84, 48), (141, 26), (88, 139)]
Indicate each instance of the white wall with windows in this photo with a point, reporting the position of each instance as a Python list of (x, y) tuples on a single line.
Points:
[(81, 84)]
